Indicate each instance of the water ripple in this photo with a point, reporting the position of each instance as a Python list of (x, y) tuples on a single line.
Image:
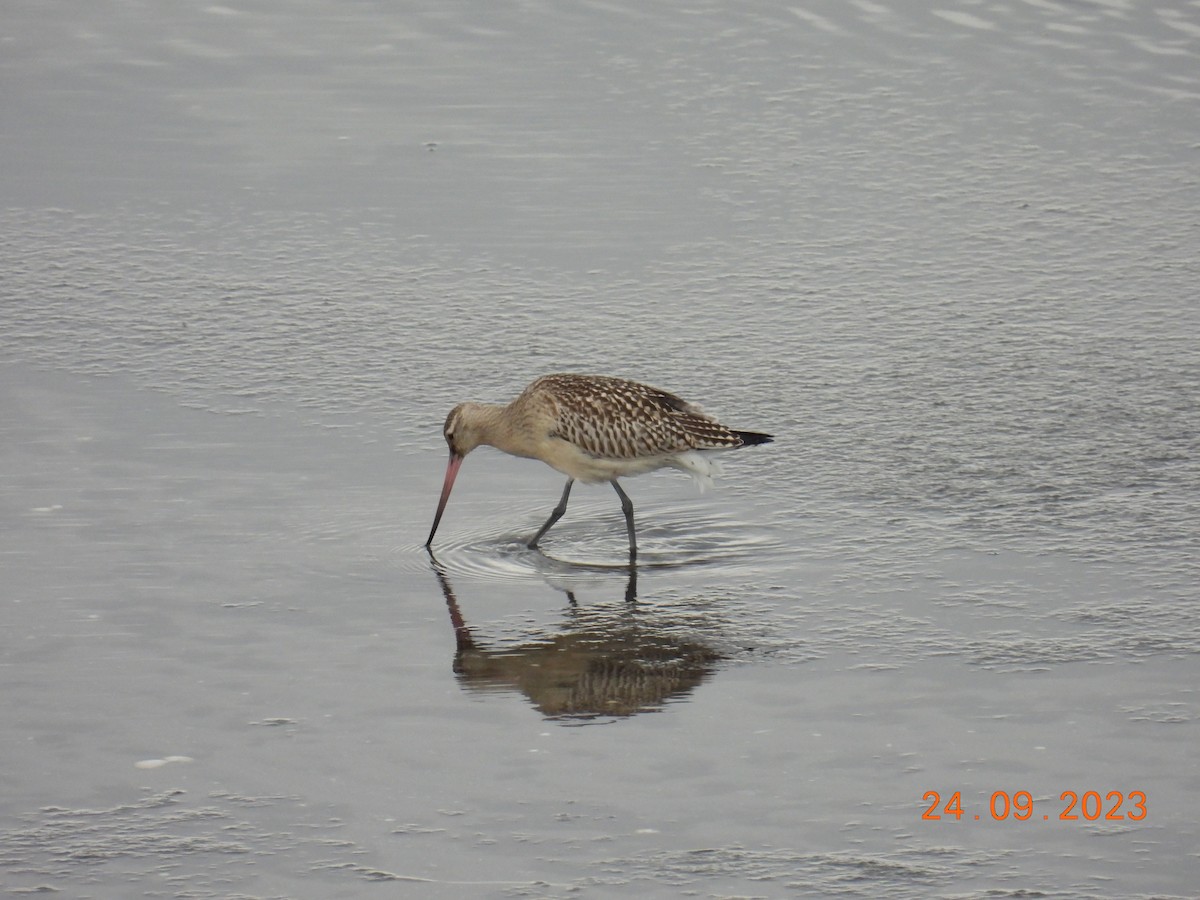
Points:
[(673, 536)]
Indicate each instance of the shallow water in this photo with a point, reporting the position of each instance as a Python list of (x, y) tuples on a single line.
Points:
[(252, 256)]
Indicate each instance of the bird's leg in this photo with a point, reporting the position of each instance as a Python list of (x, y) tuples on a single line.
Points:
[(631, 584), (554, 516), (627, 508)]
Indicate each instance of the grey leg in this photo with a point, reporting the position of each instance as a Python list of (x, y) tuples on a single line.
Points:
[(627, 508), (556, 515)]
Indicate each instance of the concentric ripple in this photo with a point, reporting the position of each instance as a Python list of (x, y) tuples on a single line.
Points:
[(686, 534)]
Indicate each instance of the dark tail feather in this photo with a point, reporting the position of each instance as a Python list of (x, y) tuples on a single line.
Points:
[(753, 437)]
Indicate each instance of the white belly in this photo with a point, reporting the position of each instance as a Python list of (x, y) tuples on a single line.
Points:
[(573, 462)]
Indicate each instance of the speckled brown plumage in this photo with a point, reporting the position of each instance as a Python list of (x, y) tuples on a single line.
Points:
[(613, 418)]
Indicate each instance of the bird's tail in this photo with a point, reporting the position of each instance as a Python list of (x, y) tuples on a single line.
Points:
[(749, 438)]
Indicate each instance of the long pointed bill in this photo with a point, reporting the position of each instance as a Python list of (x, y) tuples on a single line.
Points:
[(451, 473)]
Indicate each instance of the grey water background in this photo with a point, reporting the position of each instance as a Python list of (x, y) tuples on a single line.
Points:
[(252, 254)]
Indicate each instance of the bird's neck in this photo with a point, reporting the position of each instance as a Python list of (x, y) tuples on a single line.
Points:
[(495, 426)]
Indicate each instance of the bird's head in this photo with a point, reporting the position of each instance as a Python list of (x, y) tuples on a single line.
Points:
[(461, 430)]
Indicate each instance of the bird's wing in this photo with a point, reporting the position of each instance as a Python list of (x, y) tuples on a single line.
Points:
[(611, 418)]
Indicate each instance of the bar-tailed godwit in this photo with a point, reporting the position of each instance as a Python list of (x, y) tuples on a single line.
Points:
[(592, 429)]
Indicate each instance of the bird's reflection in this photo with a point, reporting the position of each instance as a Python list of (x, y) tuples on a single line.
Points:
[(602, 664)]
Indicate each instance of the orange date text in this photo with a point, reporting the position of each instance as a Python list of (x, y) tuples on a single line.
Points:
[(1073, 806)]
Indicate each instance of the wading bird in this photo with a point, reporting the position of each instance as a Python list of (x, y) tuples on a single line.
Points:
[(592, 428)]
